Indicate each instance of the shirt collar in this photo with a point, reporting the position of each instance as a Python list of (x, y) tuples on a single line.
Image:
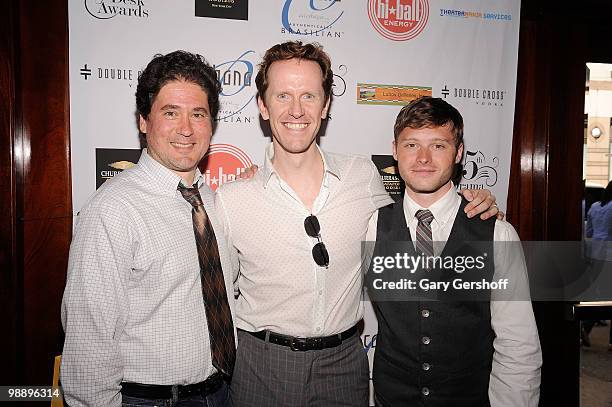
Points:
[(329, 164), (442, 209), (164, 177)]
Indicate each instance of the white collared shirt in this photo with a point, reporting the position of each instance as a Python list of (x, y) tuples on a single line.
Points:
[(281, 287), (517, 357)]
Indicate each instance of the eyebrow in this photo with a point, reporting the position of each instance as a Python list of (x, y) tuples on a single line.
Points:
[(436, 140), (176, 107), (415, 138)]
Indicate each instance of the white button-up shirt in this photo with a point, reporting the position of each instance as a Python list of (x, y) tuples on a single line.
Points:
[(281, 287), (517, 357)]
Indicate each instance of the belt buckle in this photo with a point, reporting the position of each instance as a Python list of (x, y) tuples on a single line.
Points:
[(293, 344)]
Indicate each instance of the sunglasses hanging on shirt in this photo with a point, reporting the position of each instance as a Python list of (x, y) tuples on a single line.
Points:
[(319, 251)]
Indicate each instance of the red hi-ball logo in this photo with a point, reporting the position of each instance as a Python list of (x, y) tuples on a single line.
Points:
[(398, 20), (222, 163)]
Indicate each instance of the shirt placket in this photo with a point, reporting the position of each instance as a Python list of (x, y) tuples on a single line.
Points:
[(319, 272), (318, 301)]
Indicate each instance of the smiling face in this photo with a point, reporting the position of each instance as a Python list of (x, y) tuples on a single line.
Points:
[(294, 104), (178, 128), (426, 158)]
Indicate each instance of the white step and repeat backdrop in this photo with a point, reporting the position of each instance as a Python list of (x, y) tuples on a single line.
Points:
[(384, 54)]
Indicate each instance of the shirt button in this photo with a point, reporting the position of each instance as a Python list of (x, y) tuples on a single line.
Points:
[(320, 292), (318, 329), (425, 313), (426, 366), (426, 340), (425, 391)]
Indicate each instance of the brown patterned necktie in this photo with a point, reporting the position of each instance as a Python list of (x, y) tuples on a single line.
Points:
[(218, 315), (424, 241)]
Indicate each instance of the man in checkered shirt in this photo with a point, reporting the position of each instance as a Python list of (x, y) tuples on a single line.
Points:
[(133, 311)]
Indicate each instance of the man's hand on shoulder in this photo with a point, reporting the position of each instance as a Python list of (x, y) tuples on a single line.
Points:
[(481, 201), (247, 173)]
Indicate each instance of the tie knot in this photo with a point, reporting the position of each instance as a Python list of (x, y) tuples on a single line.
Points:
[(425, 216), (191, 195)]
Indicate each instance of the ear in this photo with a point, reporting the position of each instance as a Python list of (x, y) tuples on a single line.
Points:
[(262, 108), (459, 154), (326, 108), (142, 124), (394, 150)]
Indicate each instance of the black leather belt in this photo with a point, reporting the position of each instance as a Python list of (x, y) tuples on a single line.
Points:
[(157, 391), (303, 344)]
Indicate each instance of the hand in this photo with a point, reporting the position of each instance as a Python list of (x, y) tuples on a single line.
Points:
[(482, 202), (248, 173)]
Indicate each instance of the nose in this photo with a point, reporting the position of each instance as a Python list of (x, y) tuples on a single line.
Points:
[(296, 110), (423, 155), (185, 127)]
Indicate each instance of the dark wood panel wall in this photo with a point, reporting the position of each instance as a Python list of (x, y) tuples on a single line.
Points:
[(46, 183), (546, 172), (8, 247), (36, 189)]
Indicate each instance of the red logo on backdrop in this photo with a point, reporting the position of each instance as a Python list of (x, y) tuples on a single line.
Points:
[(398, 20), (222, 163)]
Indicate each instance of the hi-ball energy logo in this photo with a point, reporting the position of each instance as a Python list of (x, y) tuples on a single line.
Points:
[(105, 9), (398, 20), (236, 78), (315, 18), (222, 163)]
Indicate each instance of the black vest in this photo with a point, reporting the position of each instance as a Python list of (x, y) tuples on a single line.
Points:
[(434, 353)]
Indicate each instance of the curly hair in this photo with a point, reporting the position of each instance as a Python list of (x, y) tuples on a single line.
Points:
[(177, 65), (428, 111), (290, 50)]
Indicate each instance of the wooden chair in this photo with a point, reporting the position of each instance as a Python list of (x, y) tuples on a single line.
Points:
[(57, 402)]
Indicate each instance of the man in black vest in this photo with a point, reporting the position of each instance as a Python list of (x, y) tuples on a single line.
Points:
[(464, 349)]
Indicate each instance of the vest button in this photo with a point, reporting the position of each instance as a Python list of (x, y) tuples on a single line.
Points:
[(425, 313), (425, 391), (426, 366), (426, 340)]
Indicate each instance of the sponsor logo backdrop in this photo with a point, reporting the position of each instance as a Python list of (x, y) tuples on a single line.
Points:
[(384, 53)]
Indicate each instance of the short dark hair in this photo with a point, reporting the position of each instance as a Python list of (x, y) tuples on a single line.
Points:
[(606, 195), (177, 65), (295, 50), (428, 111)]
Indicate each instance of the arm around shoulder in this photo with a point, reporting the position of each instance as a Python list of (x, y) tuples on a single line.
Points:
[(379, 195)]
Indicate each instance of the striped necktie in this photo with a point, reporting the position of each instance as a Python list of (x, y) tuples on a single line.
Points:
[(424, 241)]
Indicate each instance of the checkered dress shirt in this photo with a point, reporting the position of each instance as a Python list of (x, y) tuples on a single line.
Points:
[(132, 308)]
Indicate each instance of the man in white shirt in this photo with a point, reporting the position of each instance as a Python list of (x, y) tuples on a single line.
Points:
[(467, 350), (148, 320), (297, 228)]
